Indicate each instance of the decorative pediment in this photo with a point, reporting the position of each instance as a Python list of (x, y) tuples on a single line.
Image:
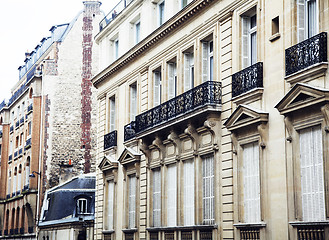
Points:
[(301, 96), (108, 164), (129, 156), (245, 116)]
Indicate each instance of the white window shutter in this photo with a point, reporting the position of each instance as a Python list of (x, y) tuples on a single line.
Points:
[(301, 35), (171, 195), (187, 73), (251, 183), (132, 202), (189, 193), (110, 204), (157, 198), (208, 190), (245, 41), (171, 80), (112, 114), (312, 175), (157, 88), (205, 64)]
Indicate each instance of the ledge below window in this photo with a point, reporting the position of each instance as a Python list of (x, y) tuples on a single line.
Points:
[(248, 97), (300, 223), (308, 74), (250, 225), (108, 231), (193, 227), (130, 230)]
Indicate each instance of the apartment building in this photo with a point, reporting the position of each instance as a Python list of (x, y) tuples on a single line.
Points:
[(213, 120), (48, 122)]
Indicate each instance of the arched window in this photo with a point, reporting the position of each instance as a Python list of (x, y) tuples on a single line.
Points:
[(15, 181), (7, 220), (22, 221), (17, 219), (12, 221), (19, 182), (27, 172)]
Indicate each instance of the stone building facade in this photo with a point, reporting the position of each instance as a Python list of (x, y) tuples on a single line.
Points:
[(212, 120), (49, 121)]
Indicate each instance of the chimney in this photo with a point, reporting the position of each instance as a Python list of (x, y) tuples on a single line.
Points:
[(65, 171)]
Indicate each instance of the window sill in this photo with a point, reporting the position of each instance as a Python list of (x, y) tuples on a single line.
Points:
[(108, 232), (274, 37), (130, 230), (248, 97), (250, 225), (192, 227), (308, 74), (301, 223)]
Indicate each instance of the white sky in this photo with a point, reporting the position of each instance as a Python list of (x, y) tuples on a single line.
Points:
[(23, 23)]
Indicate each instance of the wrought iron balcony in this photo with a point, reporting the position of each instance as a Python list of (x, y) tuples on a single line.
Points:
[(110, 139), (247, 79), (129, 131), (306, 53), (207, 93), (30, 108)]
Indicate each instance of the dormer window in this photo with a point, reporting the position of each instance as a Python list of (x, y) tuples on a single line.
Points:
[(82, 206)]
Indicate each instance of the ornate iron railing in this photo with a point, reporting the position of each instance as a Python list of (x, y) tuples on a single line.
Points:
[(311, 233), (250, 234), (129, 131), (207, 93), (247, 79), (306, 53), (110, 139)]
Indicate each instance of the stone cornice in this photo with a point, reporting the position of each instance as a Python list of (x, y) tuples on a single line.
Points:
[(171, 25)]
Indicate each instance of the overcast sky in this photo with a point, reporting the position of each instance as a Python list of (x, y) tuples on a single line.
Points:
[(23, 24)]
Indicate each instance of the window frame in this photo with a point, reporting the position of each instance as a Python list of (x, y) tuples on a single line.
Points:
[(85, 205), (161, 12)]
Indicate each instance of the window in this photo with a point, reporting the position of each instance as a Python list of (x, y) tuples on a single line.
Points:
[(27, 172), (15, 180), (161, 13), (115, 43), (21, 140), (137, 27), (157, 87), (207, 61), (306, 19), (185, 3), (249, 40), (132, 201), (156, 197), (110, 205), (10, 147), (29, 128), (312, 175), (172, 80), (188, 71), (112, 114), (19, 184), (17, 142), (82, 206), (189, 192), (133, 101), (251, 183), (171, 195), (9, 182), (208, 204)]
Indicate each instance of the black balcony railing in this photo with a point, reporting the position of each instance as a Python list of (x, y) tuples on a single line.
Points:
[(311, 233), (306, 53), (247, 79), (27, 144), (207, 93), (129, 131), (30, 229), (113, 13), (110, 139), (30, 108)]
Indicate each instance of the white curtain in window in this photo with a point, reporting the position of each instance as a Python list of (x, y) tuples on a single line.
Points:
[(171, 195), (132, 202), (245, 41), (208, 189), (306, 19), (112, 114), (205, 59), (312, 176), (251, 183), (157, 88), (133, 102), (110, 204), (189, 193), (188, 71), (156, 197), (171, 80)]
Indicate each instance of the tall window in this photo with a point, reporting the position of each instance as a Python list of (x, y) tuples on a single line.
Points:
[(188, 71), (249, 40), (307, 19), (251, 183), (208, 196), (312, 175), (137, 29), (82, 206), (207, 61), (172, 80), (112, 114), (156, 197), (161, 12), (157, 87), (27, 172), (171, 195), (132, 201), (30, 128), (110, 205), (133, 101), (115, 49), (15, 180), (19, 183), (9, 182), (189, 193)]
